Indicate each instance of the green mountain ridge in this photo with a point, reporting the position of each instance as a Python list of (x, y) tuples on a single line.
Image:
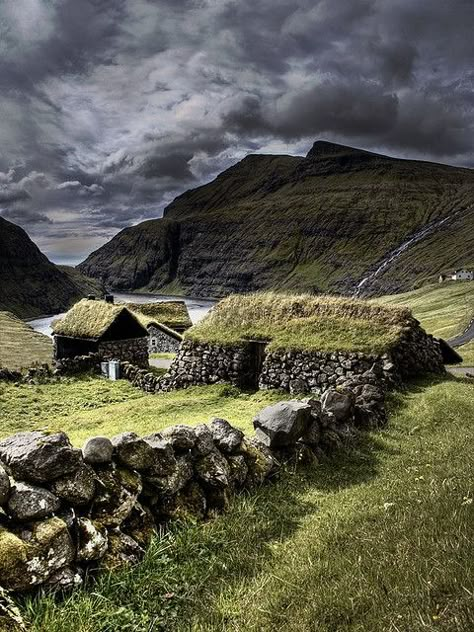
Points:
[(319, 223), (30, 284)]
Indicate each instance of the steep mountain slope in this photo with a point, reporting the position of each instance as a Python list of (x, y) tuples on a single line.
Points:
[(30, 285), (323, 222)]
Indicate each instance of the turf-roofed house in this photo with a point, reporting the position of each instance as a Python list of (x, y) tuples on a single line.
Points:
[(95, 326), (302, 343), (165, 322)]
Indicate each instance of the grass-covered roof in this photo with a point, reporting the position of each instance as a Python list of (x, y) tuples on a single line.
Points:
[(91, 319), (171, 314), (303, 322)]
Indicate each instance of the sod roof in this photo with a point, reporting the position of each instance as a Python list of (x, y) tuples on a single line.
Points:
[(303, 322), (171, 314), (91, 319)]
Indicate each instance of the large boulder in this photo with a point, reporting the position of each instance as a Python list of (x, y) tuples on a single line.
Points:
[(29, 502), (132, 451), (4, 486), (337, 405), (117, 492), (227, 438), (38, 457), (98, 451), (282, 424), (213, 469), (77, 488), (32, 556)]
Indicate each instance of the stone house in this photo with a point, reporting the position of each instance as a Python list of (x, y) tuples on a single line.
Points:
[(162, 339), (94, 326), (462, 275)]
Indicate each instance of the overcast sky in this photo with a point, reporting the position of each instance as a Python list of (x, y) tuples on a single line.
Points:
[(110, 108)]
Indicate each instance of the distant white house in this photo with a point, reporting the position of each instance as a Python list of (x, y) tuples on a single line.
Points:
[(458, 275)]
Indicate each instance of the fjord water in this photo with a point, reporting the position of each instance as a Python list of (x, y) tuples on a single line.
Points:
[(197, 308)]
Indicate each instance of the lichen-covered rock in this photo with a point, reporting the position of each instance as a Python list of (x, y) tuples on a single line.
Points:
[(191, 502), (29, 502), (204, 440), (37, 457), (338, 404), (140, 525), (77, 488), (98, 450), (174, 481), (122, 551), (92, 540), (10, 617), (164, 458), (181, 437), (213, 469), (132, 451), (64, 580), (260, 461), (283, 423), (117, 492), (4, 486), (32, 556), (227, 438), (238, 469)]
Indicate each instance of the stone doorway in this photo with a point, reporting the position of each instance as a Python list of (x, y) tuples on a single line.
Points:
[(256, 354)]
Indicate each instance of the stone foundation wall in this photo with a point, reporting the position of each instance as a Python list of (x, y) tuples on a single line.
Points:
[(133, 350), (160, 342), (417, 353), (78, 364), (314, 372), (198, 364), (66, 512)]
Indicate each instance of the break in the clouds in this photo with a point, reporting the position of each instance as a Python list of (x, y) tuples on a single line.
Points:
[(110, 108)]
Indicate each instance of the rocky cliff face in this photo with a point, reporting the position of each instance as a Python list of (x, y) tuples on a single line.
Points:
[(318, 223), (30, 285)]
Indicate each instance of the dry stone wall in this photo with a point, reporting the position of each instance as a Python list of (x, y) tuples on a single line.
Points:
[(133, 350), (65, 512), (161, 342)]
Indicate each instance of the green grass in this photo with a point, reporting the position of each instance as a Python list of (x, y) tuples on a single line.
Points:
[(162, 356), (303, 322), (377, 539), (444, 309), (91, 405), (20, 345)]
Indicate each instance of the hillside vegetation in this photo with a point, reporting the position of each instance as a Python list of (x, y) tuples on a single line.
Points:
[(21, 346), (319, 223), (444, 310), (30, 284), (303, 322), (377, 538)]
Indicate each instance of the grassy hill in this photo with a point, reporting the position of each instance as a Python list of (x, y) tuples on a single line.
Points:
[(319, 223), (444, 310), (30, 284), (21, 346)]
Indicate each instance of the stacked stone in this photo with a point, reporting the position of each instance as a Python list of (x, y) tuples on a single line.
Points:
[(134, 350), (65, 512), (141, 378), (207, 364), (78, 364), (417, 352), (7, 375), (314, 372)]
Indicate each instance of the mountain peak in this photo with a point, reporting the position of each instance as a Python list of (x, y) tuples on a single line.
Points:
[(323, 148)]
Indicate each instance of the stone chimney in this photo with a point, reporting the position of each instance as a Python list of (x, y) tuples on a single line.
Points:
[(90, 297), (109, 298)]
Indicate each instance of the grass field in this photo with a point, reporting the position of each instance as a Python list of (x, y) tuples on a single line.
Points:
[(377, 539), (20, 345), (91, 405)]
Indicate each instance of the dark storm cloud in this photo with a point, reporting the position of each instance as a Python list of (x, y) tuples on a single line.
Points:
[(109, 108)]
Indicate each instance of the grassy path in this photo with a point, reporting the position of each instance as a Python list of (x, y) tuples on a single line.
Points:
[(379, 539)]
